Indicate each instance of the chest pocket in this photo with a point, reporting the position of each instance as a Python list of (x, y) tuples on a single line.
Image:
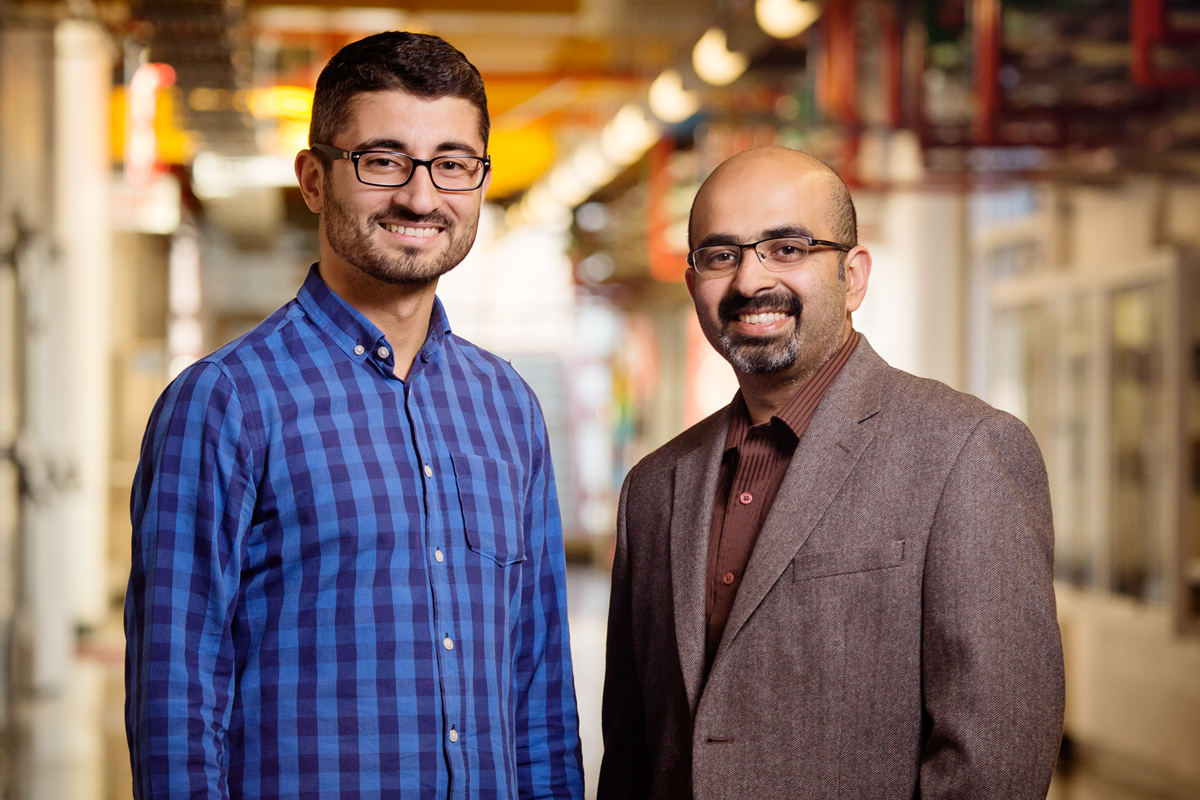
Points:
[(490, 496), (850, 560)]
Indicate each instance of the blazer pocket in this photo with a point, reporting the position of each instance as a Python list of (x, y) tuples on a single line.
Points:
[(490, 496), (852, 559)]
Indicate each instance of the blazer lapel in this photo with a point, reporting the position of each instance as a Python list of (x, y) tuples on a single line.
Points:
[(825, 457), (696, 476)]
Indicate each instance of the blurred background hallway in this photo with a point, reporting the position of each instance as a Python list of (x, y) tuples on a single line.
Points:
[(1027, 177)]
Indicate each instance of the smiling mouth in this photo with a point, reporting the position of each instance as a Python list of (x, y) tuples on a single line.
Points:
[(762, 317), (408, 230)]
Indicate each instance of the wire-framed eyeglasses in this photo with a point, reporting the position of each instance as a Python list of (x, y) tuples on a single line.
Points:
[(390, 169), (777, 255)]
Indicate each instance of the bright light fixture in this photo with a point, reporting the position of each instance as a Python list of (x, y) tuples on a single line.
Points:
[(669, 101), (784, 19), (591, 164), (628, 135), (713, 61)]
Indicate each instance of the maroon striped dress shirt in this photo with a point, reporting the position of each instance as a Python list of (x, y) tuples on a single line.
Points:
[(756, 458)]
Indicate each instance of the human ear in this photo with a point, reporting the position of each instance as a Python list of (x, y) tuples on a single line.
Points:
[(858, 273), (310, 174)]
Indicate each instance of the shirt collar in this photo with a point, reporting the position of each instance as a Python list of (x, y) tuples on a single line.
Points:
[(356, 335)]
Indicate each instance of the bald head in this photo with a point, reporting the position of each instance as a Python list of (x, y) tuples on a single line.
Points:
[(780, 165)]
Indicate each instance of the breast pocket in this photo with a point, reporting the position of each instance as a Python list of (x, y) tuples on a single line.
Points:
[(823, 564), (489, 492)]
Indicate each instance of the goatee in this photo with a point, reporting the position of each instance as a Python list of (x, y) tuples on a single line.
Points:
[(760, 355)]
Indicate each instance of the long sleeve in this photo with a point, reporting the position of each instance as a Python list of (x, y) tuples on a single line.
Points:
[(625, 771), (193, 500), (549, 757), (992, 670)]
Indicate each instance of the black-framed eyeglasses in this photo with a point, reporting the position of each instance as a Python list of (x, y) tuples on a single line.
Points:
[(777, 255), (386, 168)]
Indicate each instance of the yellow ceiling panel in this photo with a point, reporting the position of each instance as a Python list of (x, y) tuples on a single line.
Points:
[(519, 157)]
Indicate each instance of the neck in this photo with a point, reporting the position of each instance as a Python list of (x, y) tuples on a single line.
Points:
[(402, 313), (766, 395)]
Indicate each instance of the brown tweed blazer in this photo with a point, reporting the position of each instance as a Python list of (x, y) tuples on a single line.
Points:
[(894, 635)]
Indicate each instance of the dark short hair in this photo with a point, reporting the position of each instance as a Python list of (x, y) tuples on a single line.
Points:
[(843, 219), (425, 66)]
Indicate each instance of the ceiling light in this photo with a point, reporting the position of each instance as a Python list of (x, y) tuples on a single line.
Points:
[(628, 135), (592, 165), (784, 19), (668, 99), (713, 61)]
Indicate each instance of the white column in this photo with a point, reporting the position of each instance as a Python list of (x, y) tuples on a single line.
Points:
[(83, 78)]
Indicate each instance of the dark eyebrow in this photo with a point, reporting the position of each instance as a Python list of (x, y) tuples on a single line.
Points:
[(714, 239), (787, 231), (784, 232), (396, 146)]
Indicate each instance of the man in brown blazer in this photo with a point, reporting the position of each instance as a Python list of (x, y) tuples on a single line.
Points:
[(839, 586)]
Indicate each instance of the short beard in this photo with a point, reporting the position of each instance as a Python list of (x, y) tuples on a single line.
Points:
[(760, 355), (408, 269)]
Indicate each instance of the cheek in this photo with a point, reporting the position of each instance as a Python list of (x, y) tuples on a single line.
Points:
[(707, 298)]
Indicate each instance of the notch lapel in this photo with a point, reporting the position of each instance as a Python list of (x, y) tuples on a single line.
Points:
[(691, 518), (823, 460)]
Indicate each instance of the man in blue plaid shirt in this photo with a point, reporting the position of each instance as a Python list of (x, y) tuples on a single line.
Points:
[(348, 573)]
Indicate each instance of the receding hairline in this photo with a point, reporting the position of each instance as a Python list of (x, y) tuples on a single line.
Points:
[(840, 213)]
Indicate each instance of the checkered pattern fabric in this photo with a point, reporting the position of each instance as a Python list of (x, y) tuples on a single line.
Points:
[(344, 584)]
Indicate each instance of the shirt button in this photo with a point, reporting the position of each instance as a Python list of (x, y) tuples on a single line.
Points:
[(358, 351), (745, 498), (382, 352), (437, 556), (453, 735), (727, 578), (448, 643), (428, 471)]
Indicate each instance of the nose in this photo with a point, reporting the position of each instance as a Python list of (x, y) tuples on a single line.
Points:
[(752, 275), (420, 195)]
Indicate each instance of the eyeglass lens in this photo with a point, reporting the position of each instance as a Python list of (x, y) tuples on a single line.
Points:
[(776, 253), (395, 169)]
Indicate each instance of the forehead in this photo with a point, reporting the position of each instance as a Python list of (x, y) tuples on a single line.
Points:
[(397, 115), (749, 200)]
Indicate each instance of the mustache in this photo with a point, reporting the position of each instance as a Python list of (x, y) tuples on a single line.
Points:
[(734, 305), (400, 214)]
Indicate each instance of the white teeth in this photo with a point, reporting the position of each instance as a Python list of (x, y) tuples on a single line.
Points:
[(762, 319), (423, 233)]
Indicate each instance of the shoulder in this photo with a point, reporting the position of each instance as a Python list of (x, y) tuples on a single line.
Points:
[(933, 404), (935, 424), (222, 387), (658, 466), (477, 370), (259, 349)]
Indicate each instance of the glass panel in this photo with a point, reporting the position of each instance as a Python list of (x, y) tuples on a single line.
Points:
[(1023, 349), (1136, 543), (1070, 471)]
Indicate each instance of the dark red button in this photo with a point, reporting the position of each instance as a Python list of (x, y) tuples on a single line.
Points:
[(727, 578), (745, 498)]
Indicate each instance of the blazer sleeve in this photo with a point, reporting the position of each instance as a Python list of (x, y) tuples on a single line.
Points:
[(625, 771), (992, 669)]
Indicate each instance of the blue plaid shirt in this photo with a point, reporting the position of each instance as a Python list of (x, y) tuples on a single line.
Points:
[(346, 585)]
